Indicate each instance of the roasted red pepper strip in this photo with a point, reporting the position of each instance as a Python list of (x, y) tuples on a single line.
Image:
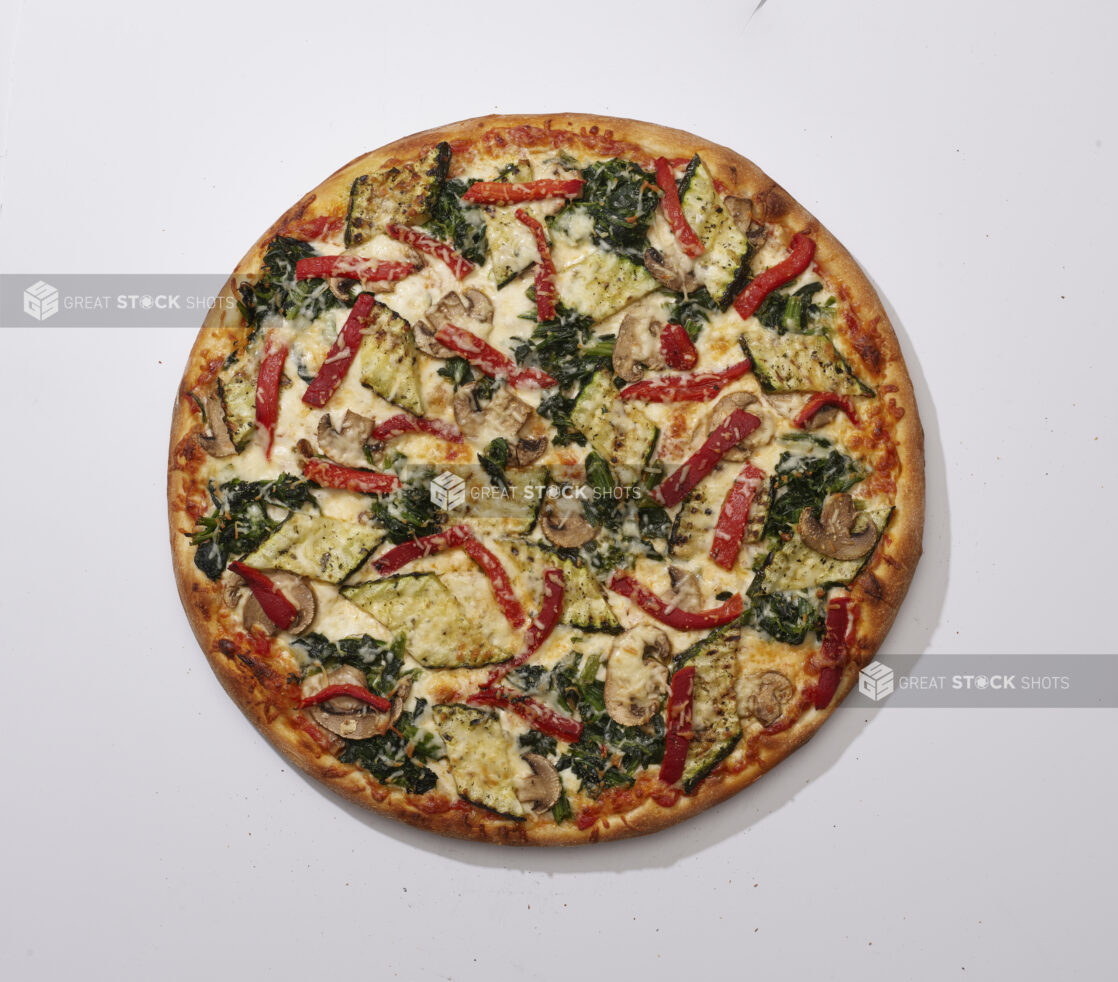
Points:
[(267, 388), (551, 606), (315, 228), (353, 691), (678, 737), (460, 266), (503, 193), (279, 610), (499, 580), (785, 271), (536, 714), (732, 519), (353, 268), (328, 475), (546, 293), (665, 613), (730, 432), (484, 357), (699, 387), (833, 653), (821, 399), (683, 232), (428, 545), (403, 423), (676, 347), (341, 353)]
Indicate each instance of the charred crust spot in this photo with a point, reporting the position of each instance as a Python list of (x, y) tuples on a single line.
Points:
[(773, 204), (865, 341), (871, 585), (227, 647)]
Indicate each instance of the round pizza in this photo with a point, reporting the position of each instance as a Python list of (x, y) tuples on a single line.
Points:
[(544, 479)]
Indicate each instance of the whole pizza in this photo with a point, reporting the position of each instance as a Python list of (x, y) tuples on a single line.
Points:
[(544, 479)]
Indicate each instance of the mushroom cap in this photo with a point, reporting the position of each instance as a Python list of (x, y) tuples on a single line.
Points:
[(637, 348), (346, 445), (298, 590), (832, 533), (687, 589), (473, 312), (636, 678), (664, 272), (343, 715), (540, 791), (764, 696), (757, 438), (564, 523), (220, 444), (502, 416)]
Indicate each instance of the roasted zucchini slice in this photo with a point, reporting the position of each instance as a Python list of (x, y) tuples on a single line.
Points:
[(389, 363), (603, 283), (693, 528), (438, 633), (482, 757), (401, 194), (584, 601), (505, 512), (798, 362), (618, 430), (723, 268), (317, 546), (237, 389)]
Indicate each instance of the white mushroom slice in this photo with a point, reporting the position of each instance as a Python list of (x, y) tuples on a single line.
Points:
[(687, 590), (636, 678), (473, 313), (832, 533), (763, 696), (637, 349), (676, 278), (563, 522), (298, 590), (502, 416), (741, 211), (541, 790), (758, 438), (343, 715), (345, 445), (220, 444)]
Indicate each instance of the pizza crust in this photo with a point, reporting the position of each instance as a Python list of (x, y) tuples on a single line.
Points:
[(267, 693)]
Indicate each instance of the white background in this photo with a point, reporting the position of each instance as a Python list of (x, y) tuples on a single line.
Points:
[(965, 152)]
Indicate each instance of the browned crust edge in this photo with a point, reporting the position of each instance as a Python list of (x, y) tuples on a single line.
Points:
[(876, 354)]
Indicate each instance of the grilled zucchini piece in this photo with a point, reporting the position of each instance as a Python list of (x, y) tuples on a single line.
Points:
[(693, 528), (400, 195), (723, 268), (389, 363), (514, 513), (237, 390), (511, 245), (714, 710), (438, 632), (317, 546), (798, 362), (584, 601), (481, 756), (603, 283), (794, 565), (618, 430)]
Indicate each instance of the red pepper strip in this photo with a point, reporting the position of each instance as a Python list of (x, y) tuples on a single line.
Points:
[(677, 349), (484, 357), (428, 545), (328, 475), (353, 268), (279, 610), (502, 193), (403, 423), (460, 266), (730, 528), (729, 433), (833, 652), (315, 228), (679, 725), (267, 388), (341, 353), (503, 592), (353, 691), (683, 232), (546, 294), (551, 606), (783, 272), (683, 620), (821, 399), (538, 716), (699, 387)]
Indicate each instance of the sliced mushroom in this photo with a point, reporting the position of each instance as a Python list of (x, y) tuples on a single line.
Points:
[(687, 591), (298, 590), (636, 678), (638, 346), (220, 444), (342, 288), (347, 444), (677, 279), (564, 523), (472, 313), (505, 416), (347, 717), (758, 438), (741, 211), (233, 590), (764, 696), (542, 789), (527, 449), (832, 533), (399, 698), (821, 417)]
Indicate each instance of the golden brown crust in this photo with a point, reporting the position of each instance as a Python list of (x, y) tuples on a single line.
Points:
[(266, 689)]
